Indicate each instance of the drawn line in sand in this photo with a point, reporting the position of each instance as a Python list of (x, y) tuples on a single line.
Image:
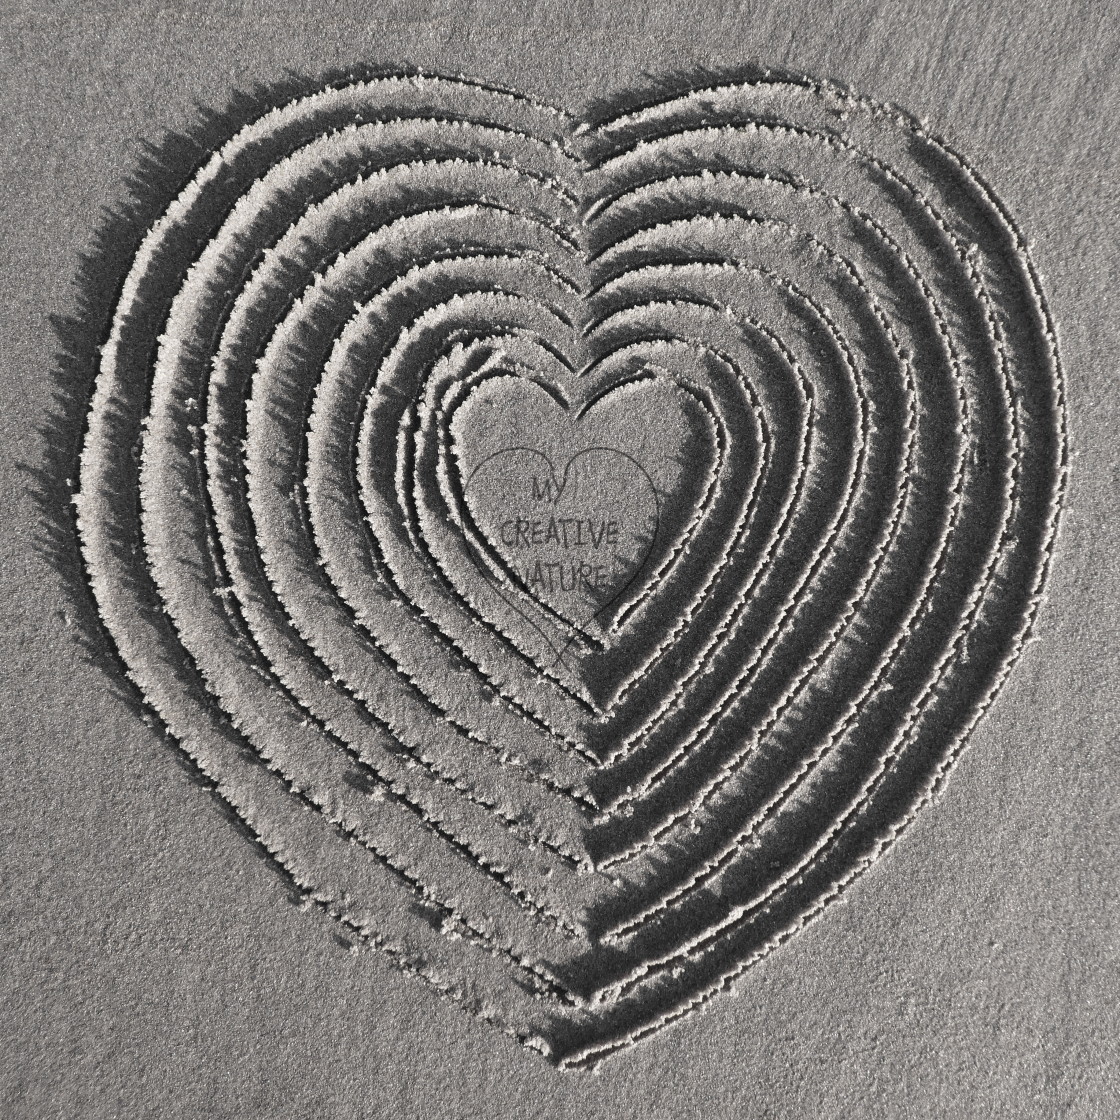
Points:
[(791, 356)]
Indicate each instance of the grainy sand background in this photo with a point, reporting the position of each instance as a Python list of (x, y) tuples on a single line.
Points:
[(154, 966)]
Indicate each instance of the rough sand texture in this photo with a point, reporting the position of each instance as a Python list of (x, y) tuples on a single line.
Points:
[(793, 353)]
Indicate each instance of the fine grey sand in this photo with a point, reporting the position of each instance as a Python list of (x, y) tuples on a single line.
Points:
[(505, 618)]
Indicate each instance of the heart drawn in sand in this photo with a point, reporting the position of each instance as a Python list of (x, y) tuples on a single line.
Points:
[(577, 523), (575, 549)]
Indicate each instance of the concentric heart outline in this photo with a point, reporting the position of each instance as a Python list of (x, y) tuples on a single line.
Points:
[(412, 778), (647, 381)]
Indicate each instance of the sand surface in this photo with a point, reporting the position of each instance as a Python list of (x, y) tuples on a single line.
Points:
[(175, 951)]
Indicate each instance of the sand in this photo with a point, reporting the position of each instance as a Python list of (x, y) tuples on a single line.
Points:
[(716, 803)]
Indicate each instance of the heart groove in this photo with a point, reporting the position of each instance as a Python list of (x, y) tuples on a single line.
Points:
[(773, 350)]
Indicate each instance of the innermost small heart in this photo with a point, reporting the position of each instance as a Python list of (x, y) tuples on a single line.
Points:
[(573, 516), (572, 536)]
